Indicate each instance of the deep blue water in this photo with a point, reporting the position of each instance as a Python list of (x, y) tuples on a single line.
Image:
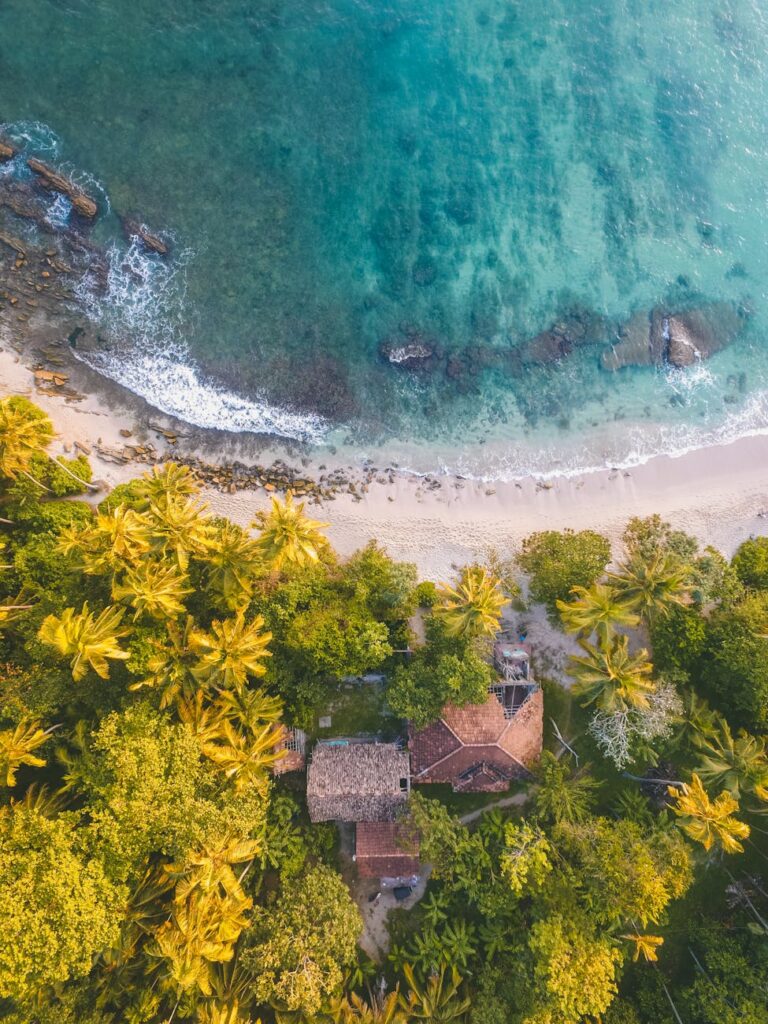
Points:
[(347, 174)]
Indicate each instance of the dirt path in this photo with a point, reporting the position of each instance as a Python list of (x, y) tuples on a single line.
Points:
[(517, 800)]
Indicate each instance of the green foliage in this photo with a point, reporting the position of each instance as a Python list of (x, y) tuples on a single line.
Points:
[(425, 594), (420, 690), (526, 861), (574, 973), (557, 562), (731, 986), (299, 948), (386, 587), (733, 668), (562, 794), (57, 908), (751, 563), (146, 789), (338, 638), (678, 640)]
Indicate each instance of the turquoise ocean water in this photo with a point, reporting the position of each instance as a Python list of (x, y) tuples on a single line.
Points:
[(341, 174)]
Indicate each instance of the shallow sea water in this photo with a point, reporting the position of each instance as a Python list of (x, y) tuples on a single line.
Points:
[(340, 173)]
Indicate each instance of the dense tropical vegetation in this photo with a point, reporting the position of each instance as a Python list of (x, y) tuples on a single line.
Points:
[(155, 866)]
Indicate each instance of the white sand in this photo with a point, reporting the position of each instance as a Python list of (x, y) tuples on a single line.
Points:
[(715, 494)]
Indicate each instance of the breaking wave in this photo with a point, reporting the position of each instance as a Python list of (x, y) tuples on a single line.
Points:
[(141, 309)]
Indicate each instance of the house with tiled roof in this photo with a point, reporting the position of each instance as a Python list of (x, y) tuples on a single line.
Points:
[(482, 747), (350, 780), (386, 850)]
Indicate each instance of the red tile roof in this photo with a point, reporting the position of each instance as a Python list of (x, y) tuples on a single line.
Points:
[(385, 850), (477, 734)]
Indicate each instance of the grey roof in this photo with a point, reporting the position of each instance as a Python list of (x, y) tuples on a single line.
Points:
[(357, 782)]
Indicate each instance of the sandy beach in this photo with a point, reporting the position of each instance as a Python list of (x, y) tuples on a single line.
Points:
[(717, 494)]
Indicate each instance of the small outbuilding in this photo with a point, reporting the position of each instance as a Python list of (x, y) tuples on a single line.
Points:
[(357, 781), (388, 851), (291, 747)]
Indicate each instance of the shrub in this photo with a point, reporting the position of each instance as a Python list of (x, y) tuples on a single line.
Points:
[(557, 562)]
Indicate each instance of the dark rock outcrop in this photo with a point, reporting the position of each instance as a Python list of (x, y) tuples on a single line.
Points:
[(7, 152), (411, 351), (152, 243), (677, 338), (54, 182), (578, 326)]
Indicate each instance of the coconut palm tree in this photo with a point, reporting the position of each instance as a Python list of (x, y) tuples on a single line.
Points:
[(612, 678), (172, 663), (26, 431), (233, 561), (210, 868), (599, 609), (652, 587), (204, 720), (153, 589), (90, 641), (382, 1009), (438, 1000), (17, 747), (473, 607), (116, 539), (645, 946), (249, 709), (179, 529), (563, 795), (244, 760), (288, 538), (709, 822), (231, 651), (167, 483), (737, 764)]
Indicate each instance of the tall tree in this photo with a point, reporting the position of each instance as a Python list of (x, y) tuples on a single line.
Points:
[(244, 760), (562, 794), (652, 587), (25, 431), (18, 746), (439, 1000), (153, 589), (231, 651), (710, 822), (738, 763), (610, 677), (233, 561), (89, 641), (288, 537), (599, 609), (473, 606)]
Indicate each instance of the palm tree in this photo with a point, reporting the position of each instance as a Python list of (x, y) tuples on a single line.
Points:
[(210, 868), (17, 747), (243, 760), (612, 678), (645, 946), (288, 537), (438, 1000), (652, 587), (352, 1009), (167, 483), (154, 590), (249, 709), (26, 431), (116, 539), (180, 529), (232, 562), (563, 795), (204, 720), (473, 607), (709, 822), (172, 664), (737, 764), (89, 641), (231, 652), (598, 609)]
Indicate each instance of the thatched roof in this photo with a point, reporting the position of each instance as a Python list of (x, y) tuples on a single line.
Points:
[(477, 747), (385, 849), (357, 781)]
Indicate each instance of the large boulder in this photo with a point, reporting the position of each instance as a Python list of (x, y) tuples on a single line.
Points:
[(677, 338), (7, 152), (411, 350), (133, 228), (55, 182)]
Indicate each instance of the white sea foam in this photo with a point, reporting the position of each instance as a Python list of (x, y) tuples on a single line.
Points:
[(141, 310), (38, 137)]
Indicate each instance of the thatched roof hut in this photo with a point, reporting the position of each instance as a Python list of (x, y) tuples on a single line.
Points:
[(348, 781)]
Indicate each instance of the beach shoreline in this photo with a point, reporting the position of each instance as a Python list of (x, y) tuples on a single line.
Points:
[(718, 494)]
